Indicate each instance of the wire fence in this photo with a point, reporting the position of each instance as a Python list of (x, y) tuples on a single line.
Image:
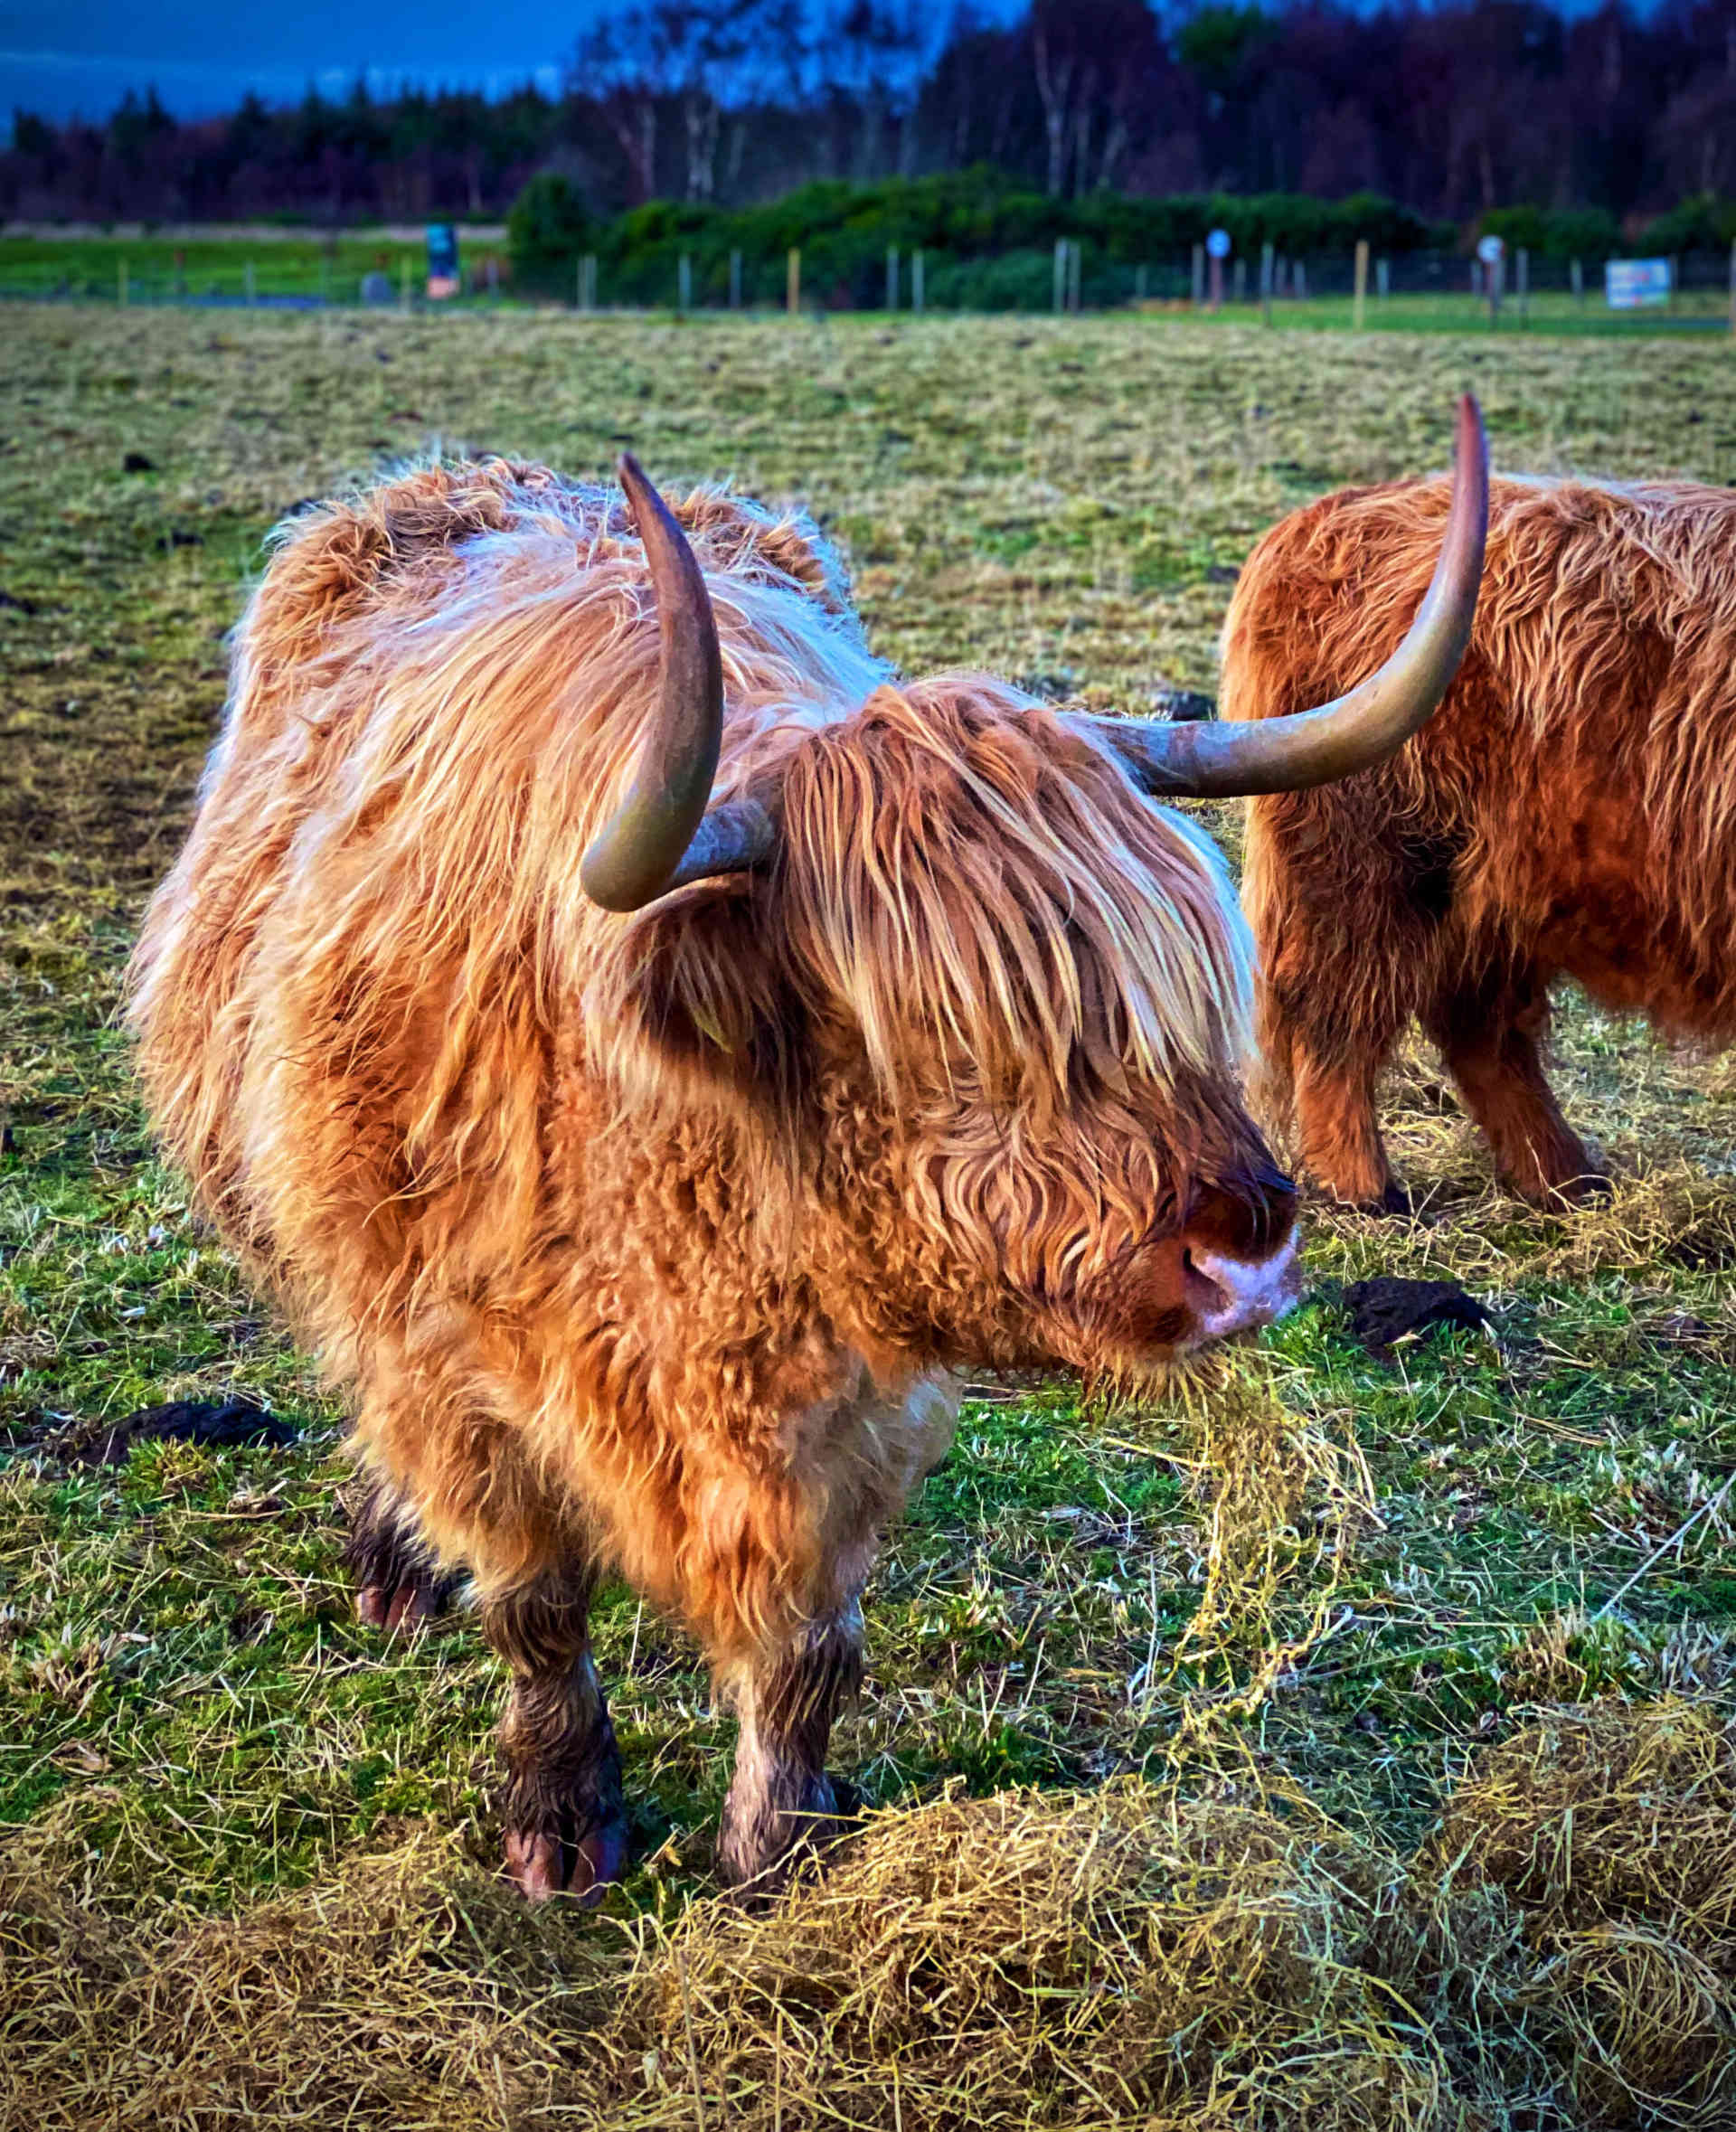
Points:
[(1695, 289)]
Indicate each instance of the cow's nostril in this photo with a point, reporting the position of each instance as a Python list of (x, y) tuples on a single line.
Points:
[(1206, 1294)]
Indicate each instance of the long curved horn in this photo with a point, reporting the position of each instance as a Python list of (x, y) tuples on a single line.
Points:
[(1307, 748), (661, 836)]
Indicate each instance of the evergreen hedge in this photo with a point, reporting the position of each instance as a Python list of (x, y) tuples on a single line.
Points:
[(988, 241)]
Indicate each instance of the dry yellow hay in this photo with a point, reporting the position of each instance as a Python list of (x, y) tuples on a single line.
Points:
[(412, 1993), (1120, 1957), (1613, 1831), (1608, 1814), (1561, 1951)]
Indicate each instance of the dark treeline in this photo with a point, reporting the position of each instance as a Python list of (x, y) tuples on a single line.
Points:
[(1453, 110)]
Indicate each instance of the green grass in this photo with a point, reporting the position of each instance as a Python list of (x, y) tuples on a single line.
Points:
[(160, 269), (1553, 312), (183, 1694)]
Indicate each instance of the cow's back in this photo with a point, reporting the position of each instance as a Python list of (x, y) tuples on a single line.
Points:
[(1572, 793)]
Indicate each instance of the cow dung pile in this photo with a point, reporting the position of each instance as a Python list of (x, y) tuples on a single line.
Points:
[(1561, 1951)]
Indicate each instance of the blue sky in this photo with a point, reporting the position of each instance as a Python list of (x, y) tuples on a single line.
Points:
[(202, 55), (83, 55)]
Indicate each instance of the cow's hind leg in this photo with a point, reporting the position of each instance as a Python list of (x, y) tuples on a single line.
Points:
[(399, 1584), (1492, 1042), (561, 1808), (781, 1799)]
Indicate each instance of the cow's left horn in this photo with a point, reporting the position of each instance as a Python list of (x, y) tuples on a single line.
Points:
[(661, 835), (1287, 754)]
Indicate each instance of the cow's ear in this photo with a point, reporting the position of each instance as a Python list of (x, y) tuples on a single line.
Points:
[(698, 986)]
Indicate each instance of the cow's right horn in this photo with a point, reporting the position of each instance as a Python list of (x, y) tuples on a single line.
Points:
[(662, 835), (1289, 753)]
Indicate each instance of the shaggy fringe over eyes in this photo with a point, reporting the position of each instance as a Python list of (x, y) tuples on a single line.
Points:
[(959, 861)]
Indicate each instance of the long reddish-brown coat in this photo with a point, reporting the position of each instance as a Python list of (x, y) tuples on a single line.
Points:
[(650, 1241), (1570, 812)]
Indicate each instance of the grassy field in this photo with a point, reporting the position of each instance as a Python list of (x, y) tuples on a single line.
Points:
[(190, 1720), (159, 269)]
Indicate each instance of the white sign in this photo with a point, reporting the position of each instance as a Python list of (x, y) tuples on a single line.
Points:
[(1491, 250), (1218, 244), (1629, 283)]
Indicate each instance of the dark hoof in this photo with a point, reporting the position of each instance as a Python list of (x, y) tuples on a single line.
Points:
[(399, 1585), (394, 1607), (579, 1863), (1394, 1203), (1589, 1188), (757, 1871)]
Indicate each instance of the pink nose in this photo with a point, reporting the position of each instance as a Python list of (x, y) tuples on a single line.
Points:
[(1233, 1294)]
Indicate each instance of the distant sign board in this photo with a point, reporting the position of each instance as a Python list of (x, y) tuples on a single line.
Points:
[(1491, 250), (1218, 243), (1629, 283), (442, 259)]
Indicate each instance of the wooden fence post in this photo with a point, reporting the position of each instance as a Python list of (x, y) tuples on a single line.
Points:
[(1074, 257), (1199, 276), (252, 289), (1359, 302), (1061, 275), (684, 281), (891, 278), (1522, 284), (793, 281), (1383, 279), (735, 281), (1576, 277), (1267, 257), (1239, 276), (917, 292)]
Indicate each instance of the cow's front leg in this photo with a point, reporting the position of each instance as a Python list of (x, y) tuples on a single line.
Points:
[(562, 1810), (781, 1798)]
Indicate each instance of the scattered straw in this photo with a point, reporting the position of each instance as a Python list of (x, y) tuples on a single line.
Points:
[(1613, 1831), (1179, 1957), (1285, 1504), (414, 1992), (1125, 1956)]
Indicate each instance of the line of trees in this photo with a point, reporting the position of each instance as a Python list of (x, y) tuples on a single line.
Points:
[(1456, 110)]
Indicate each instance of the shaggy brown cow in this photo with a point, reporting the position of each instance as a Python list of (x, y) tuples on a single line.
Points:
[(650, 1240), (1570, 812)]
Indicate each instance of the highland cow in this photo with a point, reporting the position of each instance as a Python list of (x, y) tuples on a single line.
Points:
[(1570, 812), (647, 1047)]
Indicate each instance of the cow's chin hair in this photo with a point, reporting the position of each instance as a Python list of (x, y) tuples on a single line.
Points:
[(1111, 1371), (1114, 1377)]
